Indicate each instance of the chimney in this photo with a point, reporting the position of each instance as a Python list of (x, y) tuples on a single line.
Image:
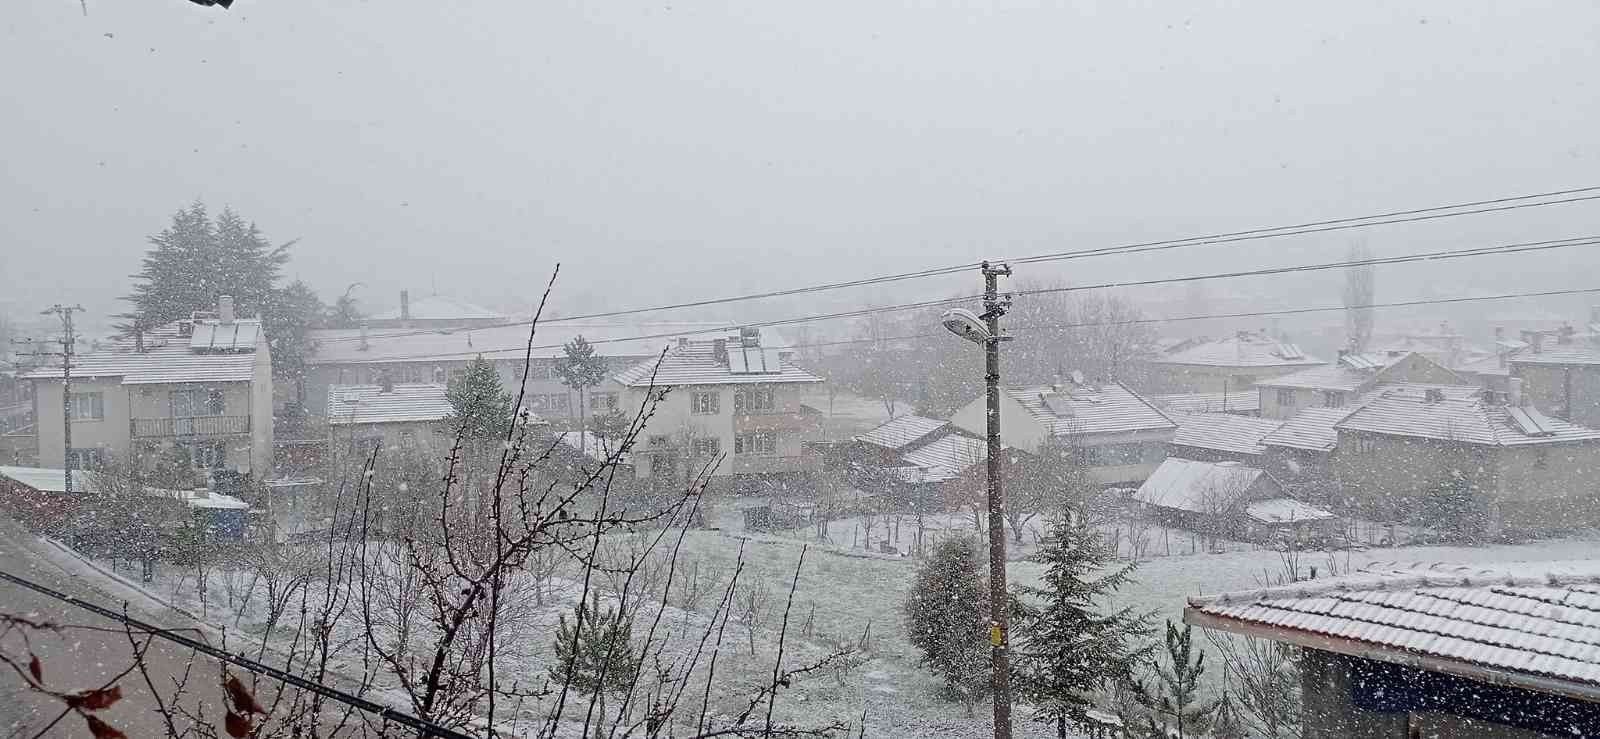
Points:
[(405, 306), (185, 329), (1566, 334), (1433, 395), (1536, 340), (1514, 392), (719, 350), (225, 309), (749, 337), (683, 341), (363, 346), (1499, 333)]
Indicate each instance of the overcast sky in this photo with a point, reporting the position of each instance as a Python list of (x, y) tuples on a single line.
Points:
[(689, 148)]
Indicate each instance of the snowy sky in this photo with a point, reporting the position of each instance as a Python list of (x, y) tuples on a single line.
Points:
[(686, 148)]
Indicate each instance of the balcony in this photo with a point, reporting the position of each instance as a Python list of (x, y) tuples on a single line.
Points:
[(190, 427)]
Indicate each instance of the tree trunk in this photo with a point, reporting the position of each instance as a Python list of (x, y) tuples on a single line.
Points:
[(583, 431), (1061, 727)]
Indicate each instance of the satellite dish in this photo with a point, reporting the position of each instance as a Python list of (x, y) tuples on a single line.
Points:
[(966, 324)]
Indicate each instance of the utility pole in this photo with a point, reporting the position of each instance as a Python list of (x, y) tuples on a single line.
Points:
[(999, 621), (68, 341)]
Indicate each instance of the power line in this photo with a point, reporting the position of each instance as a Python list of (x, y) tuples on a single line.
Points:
[(1476, 207), (1530, 246), (424, 727)]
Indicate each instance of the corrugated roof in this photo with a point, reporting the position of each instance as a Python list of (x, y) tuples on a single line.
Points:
[(696, 363), (167, 358), (1243, 401), (441, 308), (901, 432), (610, 339), (947, 457), (1197, 487), (1242, 350), (1078, 409), (46, 480), (1329, 377), (1523, 619), (1454, 414), (407, 403), (1311, 428), (1223, 432)]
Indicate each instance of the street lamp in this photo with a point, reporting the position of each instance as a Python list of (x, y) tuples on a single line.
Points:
[(985, 330)]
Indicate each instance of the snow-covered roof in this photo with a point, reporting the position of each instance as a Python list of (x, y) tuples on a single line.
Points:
[(946, 457), (1530, 624), (696, 363), (441, 308), (1285, 510), (609, 338), (902, 432), (404, 403), (1329, 377), (1311, 428), (594, 446), (226, 355), (1560, 354), (1244, 349), (1451, 413), (1242, 401), (1197, 487), (46, 480), (1072, 409), (1223, 432), (203, 499)]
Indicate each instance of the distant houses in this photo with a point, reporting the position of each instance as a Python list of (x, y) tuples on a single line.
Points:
[(396, 416), (1340, 384), (1230, 499), (1226, 365)]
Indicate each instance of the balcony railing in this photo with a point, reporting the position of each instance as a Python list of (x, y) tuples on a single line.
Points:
[(193, 426)]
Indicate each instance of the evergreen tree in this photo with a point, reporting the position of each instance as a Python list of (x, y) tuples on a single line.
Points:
[(345, 313), (482, 409), (602, 660), (1069, 648), (580, 371), (1176, 708), (247, 266), (1228, 722), (290, 315), (947, 619)]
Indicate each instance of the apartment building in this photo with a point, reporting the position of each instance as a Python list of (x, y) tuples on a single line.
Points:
[(729, 396), (195, 391)]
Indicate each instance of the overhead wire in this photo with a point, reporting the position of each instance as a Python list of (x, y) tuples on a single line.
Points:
[(1476, 207)]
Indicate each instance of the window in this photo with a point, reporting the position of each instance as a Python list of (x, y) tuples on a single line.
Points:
[(207, 455), (1286, 398), (602, 402), (1332, 399), (560, 404), (408, 438), (440, 376), (408, 373), (753, 400), (760, 442), (1365, 445), (708, 447), (85, 459), (706, 403), (88, 406), (198, 402)]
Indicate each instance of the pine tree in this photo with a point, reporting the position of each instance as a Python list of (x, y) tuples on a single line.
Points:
[(1069, 648), (1228, 723), (602, 660), (947, 618), (290, 315), (482, 409), (1176, 708), (580, 371)]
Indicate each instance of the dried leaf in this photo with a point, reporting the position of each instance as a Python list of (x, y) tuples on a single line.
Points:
[(94, 700), (35, 668), (103, 730), (238, 726), (243, 701)]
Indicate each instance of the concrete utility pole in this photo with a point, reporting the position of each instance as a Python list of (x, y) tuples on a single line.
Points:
[(999, 620), (68, 341), (985, 330)]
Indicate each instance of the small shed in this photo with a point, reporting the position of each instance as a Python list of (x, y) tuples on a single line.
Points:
[(1288, 520), (1205, 496)]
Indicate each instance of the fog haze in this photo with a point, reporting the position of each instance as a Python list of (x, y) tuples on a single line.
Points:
[(672, 150)]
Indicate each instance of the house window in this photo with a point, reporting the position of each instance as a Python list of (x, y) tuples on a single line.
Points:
[(707, 447), (753, 400), (1365, 445), (88, 406), (198, 402), (85, 459), (708, 403), (440, 376), (408, 373), (207, 455), (408, 438), (1286, 398), (1332, 399), (760, 442), (560, 404), (602, 402)]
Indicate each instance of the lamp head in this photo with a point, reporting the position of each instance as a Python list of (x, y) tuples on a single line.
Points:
[(966, 324)]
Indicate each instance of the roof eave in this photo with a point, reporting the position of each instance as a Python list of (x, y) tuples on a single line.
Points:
[(1194, 616)]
